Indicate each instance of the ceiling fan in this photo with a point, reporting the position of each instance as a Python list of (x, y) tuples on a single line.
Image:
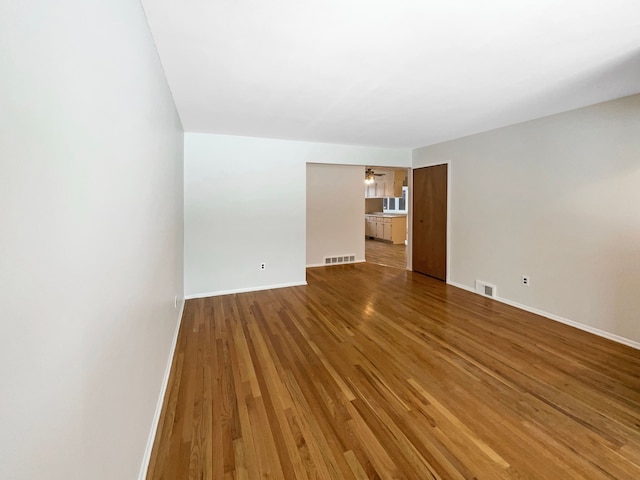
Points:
[(369, 176)]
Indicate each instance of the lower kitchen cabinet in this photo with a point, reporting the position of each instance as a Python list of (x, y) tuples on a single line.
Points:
[(390, 229), (370, 226)]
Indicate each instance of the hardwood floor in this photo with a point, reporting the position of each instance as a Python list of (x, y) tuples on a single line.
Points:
[(375, 372), (385, 254)]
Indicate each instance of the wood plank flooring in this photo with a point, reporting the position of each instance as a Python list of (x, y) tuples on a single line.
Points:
[(380, 373), (387, 254)]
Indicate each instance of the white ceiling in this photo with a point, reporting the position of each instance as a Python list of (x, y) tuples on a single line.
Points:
[(397, 73)]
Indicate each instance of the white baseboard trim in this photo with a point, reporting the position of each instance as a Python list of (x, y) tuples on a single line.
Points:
[(163, 389), (313, 265), (558, 318), (243, 290)]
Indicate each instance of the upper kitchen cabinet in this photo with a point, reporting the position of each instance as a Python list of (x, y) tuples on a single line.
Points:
[(370, 190), (387, 183)]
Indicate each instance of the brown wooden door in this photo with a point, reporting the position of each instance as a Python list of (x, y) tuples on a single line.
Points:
[(430, 221)]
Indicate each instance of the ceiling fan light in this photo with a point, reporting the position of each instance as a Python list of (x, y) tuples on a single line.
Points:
[(369, 178)]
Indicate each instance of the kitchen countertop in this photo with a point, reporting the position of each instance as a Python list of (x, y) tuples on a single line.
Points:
[(386, 215)]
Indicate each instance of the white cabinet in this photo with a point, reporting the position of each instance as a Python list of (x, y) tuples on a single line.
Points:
[(370, 226), (370, 190)]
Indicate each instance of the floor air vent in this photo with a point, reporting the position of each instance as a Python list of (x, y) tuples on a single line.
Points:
[(339, 259), (486, 289)]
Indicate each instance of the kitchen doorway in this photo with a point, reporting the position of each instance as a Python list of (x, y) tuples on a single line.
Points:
[(387, 204)]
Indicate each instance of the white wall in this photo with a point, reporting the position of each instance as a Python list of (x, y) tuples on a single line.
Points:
[(90, 237), (245, 203), (335, 212), (557, 199)]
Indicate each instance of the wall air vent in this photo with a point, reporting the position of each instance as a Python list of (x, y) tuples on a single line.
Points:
[(339, 259), (486, 289)]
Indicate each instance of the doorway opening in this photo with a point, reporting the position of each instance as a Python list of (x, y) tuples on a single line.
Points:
[(387, 206)]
